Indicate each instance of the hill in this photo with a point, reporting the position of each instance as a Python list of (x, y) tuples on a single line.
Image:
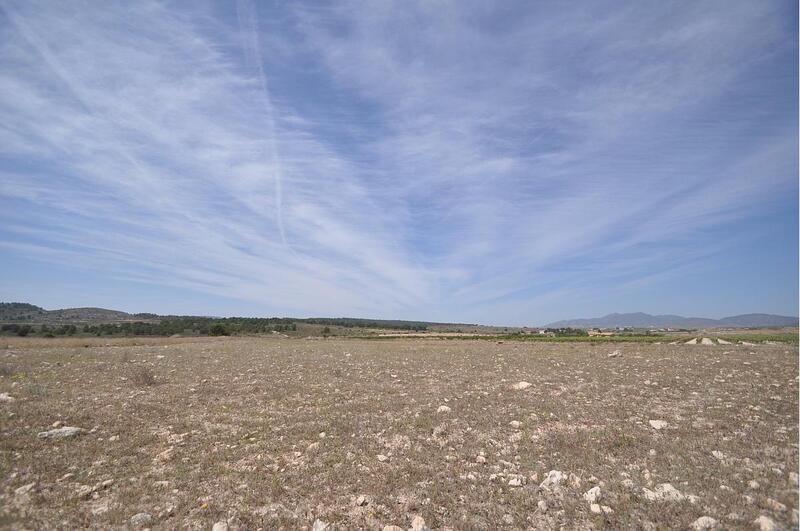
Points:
[(644, 320)]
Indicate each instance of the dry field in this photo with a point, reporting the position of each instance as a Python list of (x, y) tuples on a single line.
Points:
[(269, 433)]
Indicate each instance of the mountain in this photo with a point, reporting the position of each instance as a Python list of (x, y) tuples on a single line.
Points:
[(645, 320)]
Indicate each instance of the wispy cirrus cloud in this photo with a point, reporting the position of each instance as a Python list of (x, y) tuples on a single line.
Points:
[(431, 160)]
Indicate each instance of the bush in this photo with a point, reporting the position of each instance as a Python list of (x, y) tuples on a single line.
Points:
[(218, 330)]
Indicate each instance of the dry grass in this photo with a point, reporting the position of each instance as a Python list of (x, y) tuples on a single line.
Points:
[(235, 428)]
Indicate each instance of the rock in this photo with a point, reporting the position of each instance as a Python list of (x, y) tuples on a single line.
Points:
[(220, 526), (141, 520), (765, 523), (521, 386), (664, 491), (705, 522), (794, 478), (25, 489), (691, 342), (775, 505), (593, 495), (393, 528), (61, 433), (84, 491), (319, 525), (362, 501), (515, 424), (113, 438), (5, 397), (554, 479), (542, 505), (508, 519), (443, 409), (719, 455), (418, 524), (480, 459), (753, 484), (382, 458), (658, 424), (706, 341), (615, 354)]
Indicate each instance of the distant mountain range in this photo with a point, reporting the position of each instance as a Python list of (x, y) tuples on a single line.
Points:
[(644, 320)]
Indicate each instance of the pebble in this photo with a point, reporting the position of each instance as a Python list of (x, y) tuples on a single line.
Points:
[(521, 385), (443, 409), (542, 505), (220, 526), (319, 525), (658, 424), (5, 397), (361, 500), (515, 424), (382, 458)]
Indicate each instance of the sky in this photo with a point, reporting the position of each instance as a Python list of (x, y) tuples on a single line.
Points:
[(506, 163)]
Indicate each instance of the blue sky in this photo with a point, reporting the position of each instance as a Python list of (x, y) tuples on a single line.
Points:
[(461, 161)]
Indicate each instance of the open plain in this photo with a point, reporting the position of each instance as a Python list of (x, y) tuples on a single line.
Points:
[(250, 433)]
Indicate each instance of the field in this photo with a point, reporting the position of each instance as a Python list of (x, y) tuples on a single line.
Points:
[(279, 433)]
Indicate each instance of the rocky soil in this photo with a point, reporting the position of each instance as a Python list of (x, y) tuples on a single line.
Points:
[(413, 433)]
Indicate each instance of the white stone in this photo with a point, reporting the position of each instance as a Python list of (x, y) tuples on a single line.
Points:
[(443, 409), (361, 500), (521, 385), (615, 354), (595, 508), (705, 522), (658, 424), (61, 433), (554, 479), (418, 524), (220, 526), (664, 491), (515, 424), (25, 489), (593, 495), (480, 459), (542, 505), (5, 397), (382, 458), (719, 455)]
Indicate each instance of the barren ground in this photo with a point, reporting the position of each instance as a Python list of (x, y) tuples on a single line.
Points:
[(269, 433)]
